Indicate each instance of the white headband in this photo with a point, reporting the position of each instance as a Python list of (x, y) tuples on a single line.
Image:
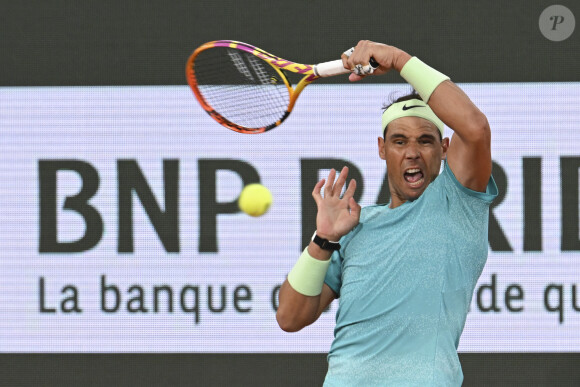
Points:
[(411, 108)]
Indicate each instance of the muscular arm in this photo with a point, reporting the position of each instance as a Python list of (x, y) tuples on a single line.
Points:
[(469, 154), (296, 310), (336, 217)]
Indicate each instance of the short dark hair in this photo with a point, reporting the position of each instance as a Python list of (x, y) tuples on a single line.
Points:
[(407, 97)]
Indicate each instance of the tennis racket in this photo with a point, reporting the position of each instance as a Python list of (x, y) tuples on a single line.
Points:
[(247, 89)]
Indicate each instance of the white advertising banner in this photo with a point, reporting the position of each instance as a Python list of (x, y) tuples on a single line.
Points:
[(120, 231)]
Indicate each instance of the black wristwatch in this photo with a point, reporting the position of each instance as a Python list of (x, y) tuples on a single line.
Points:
[(325, 244)]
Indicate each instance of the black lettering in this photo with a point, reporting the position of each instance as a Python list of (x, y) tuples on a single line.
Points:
[(274, 297), (165, 223), (242, 293), (309, 177), (48, 196), (569, 190), (209, 207), (183, 300), (71, 303), (532, 203), (497, 238), (493, 289), (117, 296), (168, 291), (559, 307), (137, 303), (42, 307), (222, 306), (514, 293), (574, 295)]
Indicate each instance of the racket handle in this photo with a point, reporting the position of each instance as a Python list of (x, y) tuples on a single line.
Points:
[(335, 67), (328, 69)]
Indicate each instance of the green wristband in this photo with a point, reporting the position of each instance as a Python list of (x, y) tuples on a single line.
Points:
[(423, 78), (307, 275)]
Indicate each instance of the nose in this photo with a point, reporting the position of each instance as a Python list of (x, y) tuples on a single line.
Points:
[(412, 151)]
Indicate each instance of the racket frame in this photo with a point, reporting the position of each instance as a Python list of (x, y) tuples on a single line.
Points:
[(310, 72)]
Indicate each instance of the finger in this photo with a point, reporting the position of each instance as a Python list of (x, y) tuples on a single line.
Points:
[(368, 69), (329, 183), (348, 52), (345, 56), (316, 191), (360, 53), (345, 62), (337, 189), (354, 208), (349, 193), (361, 57), (363, 70)]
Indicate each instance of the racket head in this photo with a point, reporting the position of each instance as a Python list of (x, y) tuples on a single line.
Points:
[(243, 87)]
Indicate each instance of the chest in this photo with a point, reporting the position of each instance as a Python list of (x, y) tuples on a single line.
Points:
[(395, 254)]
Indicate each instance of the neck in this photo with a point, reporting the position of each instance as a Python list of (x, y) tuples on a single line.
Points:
[(396, 201)]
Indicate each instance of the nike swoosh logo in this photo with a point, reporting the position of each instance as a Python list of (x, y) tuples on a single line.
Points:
[(405, 107)]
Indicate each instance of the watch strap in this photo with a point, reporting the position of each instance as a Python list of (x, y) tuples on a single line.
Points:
[(325, 244)]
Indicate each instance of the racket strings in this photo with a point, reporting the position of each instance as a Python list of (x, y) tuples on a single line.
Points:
[(241, 87)]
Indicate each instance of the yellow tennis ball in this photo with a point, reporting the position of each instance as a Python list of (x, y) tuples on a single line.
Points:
[(255, 199)]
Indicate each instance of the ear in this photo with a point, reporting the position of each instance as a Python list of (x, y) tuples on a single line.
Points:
[(381, 143), (444, 147)]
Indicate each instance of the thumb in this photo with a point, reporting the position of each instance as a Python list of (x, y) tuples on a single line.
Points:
[(354, 77)]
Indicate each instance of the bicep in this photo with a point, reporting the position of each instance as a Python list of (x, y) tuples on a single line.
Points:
[(470, 160), (469, 153)]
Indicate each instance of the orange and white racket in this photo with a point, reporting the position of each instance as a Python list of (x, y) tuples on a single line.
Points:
[(246, 89)]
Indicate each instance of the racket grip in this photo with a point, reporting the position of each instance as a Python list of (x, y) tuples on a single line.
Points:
[(335, 67), (328, 69)]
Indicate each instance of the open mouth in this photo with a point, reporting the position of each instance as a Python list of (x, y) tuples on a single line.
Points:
[(414, 176)]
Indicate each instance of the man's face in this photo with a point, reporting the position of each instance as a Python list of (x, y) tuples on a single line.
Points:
[(413, 152)]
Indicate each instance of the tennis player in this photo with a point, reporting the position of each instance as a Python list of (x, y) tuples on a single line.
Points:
[(405, 271)]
